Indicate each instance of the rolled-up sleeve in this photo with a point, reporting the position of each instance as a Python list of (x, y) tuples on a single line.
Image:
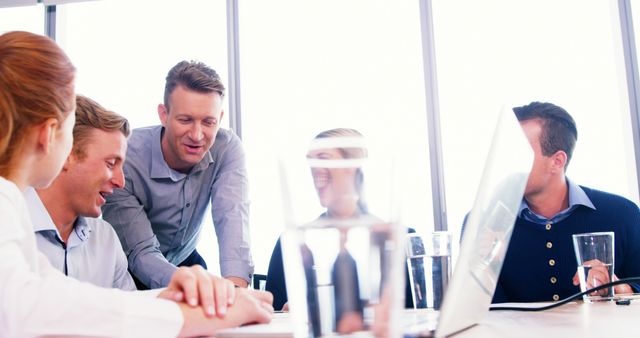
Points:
[(230, 212)]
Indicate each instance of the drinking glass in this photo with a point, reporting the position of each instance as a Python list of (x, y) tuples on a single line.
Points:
[(429, 264), (594, 254)]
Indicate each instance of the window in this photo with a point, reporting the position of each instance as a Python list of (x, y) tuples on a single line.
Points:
[(26, 18), (499, 52), (314, 65), (328, 64), (124, 49)]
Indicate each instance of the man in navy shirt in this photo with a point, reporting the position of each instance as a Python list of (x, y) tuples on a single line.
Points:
[(540, 264)]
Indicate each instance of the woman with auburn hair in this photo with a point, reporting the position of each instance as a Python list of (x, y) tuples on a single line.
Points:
[(37, 104)]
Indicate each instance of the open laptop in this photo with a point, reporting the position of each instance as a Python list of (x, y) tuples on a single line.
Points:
[(486, 234), (485, 241)]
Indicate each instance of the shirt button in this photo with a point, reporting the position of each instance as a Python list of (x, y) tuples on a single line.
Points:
[(548, 226), (549, 245), (188, 205), (553, 280), (552, 262), (556, 297)]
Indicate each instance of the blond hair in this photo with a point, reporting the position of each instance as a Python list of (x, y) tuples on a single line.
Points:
[(91, 115), (358, 152), (345, 132)]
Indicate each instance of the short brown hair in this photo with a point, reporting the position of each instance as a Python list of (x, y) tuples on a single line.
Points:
[(37, 81), (91, 115), (559, 131), (193, 75)]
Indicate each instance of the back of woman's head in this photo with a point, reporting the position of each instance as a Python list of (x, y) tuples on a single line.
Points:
[(36, 83)]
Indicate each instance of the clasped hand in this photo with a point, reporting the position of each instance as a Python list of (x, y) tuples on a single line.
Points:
[(195, 286), (598, 275)]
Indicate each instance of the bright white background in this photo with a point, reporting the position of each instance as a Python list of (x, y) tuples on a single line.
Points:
[(27, 18), (499, 52), (312, 65), (123, 65), (328, 64)]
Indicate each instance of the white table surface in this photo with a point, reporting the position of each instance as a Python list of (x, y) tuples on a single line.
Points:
[(579, 320)]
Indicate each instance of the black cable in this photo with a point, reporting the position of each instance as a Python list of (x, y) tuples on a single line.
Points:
[(568, 299)]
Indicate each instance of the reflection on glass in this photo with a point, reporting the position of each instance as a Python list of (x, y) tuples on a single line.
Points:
[(350, 248), (340, 191), (489, 226)]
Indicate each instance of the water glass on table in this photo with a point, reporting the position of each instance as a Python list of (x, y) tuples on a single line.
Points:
[(595, 258), (429, 264)]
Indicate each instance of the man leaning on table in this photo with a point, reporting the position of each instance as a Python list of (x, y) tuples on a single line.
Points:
[(173, 173), (540, 263)]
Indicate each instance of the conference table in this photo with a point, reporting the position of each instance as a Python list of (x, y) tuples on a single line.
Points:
[(583, 320), (578, 319)]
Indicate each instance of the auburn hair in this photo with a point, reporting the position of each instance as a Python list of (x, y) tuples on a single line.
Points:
[(37, 83)]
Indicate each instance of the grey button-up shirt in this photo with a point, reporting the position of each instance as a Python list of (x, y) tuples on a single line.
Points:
[(92, 252), (159, 213)]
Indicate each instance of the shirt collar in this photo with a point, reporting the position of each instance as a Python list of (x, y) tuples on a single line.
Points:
[(42, 221), (81, 228), (577, 197), (160, 168), (37, 211)]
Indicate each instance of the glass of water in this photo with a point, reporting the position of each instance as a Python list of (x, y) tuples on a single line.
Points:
[(595, 258), (429, 264), (342, 247)]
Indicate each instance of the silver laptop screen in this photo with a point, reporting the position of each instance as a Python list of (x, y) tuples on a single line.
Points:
[(488, 227)]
